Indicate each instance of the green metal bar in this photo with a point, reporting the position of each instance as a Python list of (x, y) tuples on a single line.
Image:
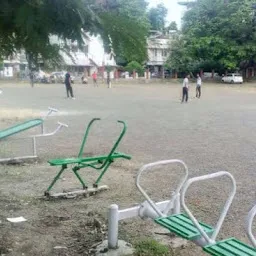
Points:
[(20, 127), (68, 161), (85, 136), (98, 158), (75, 170), (56, 178), (110, 155), (102, 173)]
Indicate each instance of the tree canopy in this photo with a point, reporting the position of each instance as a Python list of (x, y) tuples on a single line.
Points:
[(157, 16), (28, 25), (218, 32)]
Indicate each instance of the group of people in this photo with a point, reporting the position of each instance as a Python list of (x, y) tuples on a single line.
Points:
[(68, 85), (185, 88)]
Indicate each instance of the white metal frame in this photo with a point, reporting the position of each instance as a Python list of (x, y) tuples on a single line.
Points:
[(206, 239), (249, 222), (174, 203), (42, 134), (148, 209)]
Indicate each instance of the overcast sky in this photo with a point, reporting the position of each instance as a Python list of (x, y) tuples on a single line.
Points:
[(175, 10)]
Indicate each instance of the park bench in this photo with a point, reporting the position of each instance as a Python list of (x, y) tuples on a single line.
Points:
[(99, 163), (27, 125)]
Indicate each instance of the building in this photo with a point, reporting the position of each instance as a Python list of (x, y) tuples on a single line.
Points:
[(158, 51), (78, 61)]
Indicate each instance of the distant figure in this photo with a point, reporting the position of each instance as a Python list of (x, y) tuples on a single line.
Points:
[(68, 86), (198, 86), (84, 79), (108, 80), (185, 89), (31, 77), (94, 77)]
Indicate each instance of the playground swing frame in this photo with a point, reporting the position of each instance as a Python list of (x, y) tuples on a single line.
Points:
[(99, 163)]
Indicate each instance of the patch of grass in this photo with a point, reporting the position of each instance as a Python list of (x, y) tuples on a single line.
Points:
[(150, 247)]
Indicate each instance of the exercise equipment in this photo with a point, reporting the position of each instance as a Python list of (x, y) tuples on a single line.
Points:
[(183, 224), (147, 209), (249, 222), (27, 125), (99, 163)]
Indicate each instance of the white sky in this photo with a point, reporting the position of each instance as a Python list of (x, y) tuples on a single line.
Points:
[(175, 10)]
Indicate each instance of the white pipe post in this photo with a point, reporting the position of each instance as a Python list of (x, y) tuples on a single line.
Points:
[(113, 219)]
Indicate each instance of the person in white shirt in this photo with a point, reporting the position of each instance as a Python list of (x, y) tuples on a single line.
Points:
[(185, 88), (198, 86)]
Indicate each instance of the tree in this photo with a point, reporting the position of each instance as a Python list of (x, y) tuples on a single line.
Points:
[(157, 16), (221, 31), (218, 32), (28, 25), (173, 26), (135, 66)]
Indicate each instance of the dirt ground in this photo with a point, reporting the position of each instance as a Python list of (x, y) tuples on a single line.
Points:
[(214, 133)]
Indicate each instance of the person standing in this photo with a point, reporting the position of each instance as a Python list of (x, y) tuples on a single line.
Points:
[(108, 80), (185, 89), (94, 77), (198, 86), (69, 88)]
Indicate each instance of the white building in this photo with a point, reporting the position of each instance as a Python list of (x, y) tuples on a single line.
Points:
[(158, 51), (91, 58)]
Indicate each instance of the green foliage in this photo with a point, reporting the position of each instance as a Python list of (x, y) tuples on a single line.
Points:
[(151, 248), (157, 16), (28, 25), (217, 32), (173, 26), (134, 65)]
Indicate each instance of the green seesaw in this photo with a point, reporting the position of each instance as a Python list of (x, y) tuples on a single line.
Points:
[(99, 163)]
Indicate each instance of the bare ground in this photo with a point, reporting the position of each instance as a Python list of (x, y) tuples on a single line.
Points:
[(214, 133)]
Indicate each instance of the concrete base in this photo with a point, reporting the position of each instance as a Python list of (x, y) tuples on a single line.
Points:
[(124, 249)]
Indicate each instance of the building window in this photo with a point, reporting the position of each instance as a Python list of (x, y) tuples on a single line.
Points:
[(164, 52), (155, 52)]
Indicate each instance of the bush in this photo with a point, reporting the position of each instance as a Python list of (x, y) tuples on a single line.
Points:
[(134, 65)]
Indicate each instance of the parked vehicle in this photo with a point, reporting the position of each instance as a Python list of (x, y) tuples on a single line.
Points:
[(232, 78), (41, 77), (59, 77)]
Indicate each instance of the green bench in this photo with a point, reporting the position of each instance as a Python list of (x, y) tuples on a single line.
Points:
[(99, 163), (187, 227)]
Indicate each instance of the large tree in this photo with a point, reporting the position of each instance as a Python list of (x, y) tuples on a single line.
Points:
[(28, 25), (220, 32), (157, 16)]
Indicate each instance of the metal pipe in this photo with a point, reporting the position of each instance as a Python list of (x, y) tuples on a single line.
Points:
[(249, 222), (210, 240), (159, 163), (113, 226)]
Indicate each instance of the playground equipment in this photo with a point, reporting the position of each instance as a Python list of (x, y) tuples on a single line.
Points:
[(184, 225), (6, 133), (99, 163), (148, 209), (249, 221)]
